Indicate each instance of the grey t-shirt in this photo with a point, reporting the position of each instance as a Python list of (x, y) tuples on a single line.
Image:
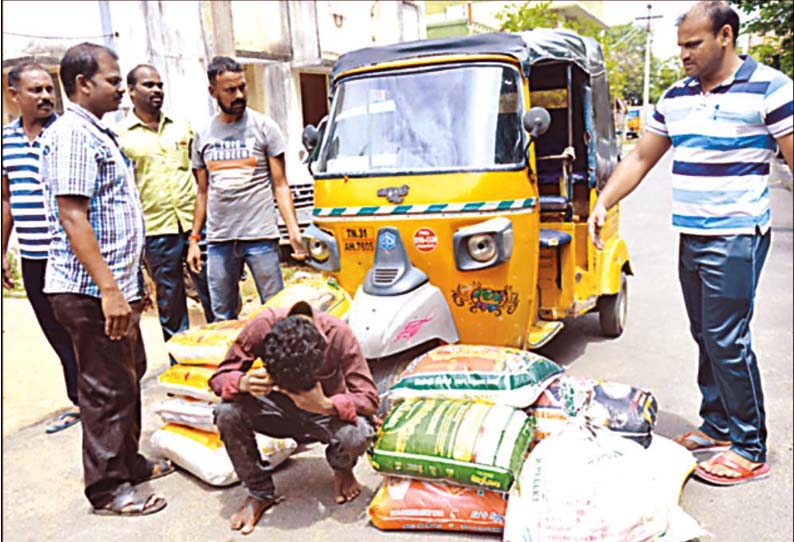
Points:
[(240, 196)]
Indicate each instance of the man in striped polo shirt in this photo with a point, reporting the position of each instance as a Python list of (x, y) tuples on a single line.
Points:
[(31, 88), (724, 122)]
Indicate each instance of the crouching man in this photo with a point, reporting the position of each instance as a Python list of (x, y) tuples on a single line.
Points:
[(315, 387)]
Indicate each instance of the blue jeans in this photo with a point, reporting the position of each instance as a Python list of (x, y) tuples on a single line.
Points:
[(719, 276), (225, 265), (56, 334), (165, 258)]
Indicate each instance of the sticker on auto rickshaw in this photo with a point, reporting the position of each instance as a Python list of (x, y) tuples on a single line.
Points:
[(425, 240), (358, 239)]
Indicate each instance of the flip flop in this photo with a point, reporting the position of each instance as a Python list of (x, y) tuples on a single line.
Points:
[(127, 502), (701, 444), (65, 420), (745, 474), (163, 467)]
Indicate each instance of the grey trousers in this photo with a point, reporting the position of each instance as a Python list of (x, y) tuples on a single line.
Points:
[(277, 416)]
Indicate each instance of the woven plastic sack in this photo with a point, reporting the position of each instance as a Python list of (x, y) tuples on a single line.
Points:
[(488, 373), (186, 411), (626, 410), (189, 380), (402, 503), (587, 484), (468, 443), (202, 453), (583, 486), (323, 294), (205, 345)]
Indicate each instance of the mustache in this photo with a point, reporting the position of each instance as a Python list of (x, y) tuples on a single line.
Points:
[(240, 101), (45, 103)]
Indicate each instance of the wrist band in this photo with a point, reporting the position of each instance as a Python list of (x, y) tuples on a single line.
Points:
[(194, 237)]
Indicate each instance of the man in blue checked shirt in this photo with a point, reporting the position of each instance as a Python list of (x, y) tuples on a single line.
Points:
[(724, 122), (94, 279), (31, 88)]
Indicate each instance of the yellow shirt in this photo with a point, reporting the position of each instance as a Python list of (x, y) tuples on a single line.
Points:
[(162, 171)]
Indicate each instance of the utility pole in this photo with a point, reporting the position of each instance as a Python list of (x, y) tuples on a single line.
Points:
[(647, 79)]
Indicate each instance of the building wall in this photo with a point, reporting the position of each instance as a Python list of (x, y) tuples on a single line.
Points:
[(276, 41)]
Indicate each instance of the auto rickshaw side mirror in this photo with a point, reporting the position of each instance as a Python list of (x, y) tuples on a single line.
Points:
[(311, 136), (536, 121)]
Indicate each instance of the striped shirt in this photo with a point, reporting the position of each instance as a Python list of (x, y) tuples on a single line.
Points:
[(723, 143), (81, 157), (21, 166)]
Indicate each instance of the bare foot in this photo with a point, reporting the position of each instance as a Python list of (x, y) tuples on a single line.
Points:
[(346, 486), (724, 471), (246, 517)]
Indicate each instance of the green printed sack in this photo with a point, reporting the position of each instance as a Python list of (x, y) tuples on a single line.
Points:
[(468, 443), (489, 373)]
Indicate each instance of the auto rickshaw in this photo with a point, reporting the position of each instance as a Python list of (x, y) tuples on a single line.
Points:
[(453, 181)]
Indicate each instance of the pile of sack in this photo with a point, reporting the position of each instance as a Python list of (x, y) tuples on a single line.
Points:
[(499, 440), (189, 437), (456, 437)]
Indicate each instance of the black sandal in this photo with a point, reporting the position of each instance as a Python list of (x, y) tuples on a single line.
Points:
[(126, 502)]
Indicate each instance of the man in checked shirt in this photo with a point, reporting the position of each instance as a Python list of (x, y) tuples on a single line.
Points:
[(94, 279)]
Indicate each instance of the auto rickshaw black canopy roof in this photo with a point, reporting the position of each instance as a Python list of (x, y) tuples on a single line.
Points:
[(527, 47)]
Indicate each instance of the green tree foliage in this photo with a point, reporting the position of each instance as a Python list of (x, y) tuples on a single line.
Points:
[(663, 74), (773, 19), (623, 45)]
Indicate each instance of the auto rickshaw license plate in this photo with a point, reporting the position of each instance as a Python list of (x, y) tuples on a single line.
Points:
[(358, 239)]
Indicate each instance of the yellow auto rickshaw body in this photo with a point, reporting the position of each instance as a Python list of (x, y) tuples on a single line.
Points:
[(551, 272)]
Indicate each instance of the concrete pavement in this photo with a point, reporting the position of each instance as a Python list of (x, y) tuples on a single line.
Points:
[(42, 475)]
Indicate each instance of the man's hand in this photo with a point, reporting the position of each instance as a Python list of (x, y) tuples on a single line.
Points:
[(298, 252), (313, 400), (256, 382), (117, 314), (8, 278), (194, 257), (595, 223)]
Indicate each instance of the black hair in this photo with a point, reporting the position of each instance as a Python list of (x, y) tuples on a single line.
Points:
[(81, 59), (15, 75), (292, 353), (720, 14), (132, 77), (220, 65)]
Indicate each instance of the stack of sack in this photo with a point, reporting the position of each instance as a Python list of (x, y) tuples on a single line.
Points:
[(456, 438), (189, 437), (489, 439)]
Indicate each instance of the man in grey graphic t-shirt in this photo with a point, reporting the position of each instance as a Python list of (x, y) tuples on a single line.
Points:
[(238, 161)]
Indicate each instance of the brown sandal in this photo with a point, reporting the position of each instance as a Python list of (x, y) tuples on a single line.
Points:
[(157, 469)]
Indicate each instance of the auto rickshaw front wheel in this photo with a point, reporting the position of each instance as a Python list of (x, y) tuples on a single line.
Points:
[(612, 310)]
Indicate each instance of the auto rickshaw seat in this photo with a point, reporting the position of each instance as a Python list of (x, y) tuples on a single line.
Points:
[(554, 238)]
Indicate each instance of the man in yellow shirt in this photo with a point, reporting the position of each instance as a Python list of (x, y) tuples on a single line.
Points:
[(160, 147)]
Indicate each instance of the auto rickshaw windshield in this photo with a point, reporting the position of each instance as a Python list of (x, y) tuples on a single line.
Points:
[(459, 117)]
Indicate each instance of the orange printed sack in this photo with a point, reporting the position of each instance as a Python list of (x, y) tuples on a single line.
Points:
[(403, 503)]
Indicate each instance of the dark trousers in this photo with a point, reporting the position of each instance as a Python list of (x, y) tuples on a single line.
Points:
[(277, 416), (109, 379), (719, 276), (33, 279), (165, 257)]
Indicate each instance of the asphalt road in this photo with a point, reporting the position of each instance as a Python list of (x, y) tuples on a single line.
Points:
[(42, 475)]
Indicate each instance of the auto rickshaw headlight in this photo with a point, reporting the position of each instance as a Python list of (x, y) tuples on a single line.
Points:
[(483, 245), (322, 248), (318, 250)]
